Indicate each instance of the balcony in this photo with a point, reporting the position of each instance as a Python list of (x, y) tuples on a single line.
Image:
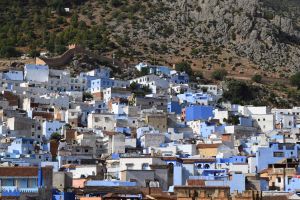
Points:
[(287, 171), (209, 178), (15, 189)]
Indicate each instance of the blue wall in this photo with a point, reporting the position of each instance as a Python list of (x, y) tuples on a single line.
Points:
[(265, 155), (197, 112), (63, 196), (246, 121), (238, 183), (174, 107)]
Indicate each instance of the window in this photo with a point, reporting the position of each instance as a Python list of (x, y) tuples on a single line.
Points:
[(206, 166), (86, 150), (132, 180), (129, 165), (145, 166), (279, 179), (278, 154)]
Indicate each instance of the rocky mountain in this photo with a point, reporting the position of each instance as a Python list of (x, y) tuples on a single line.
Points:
[(219, 33), (267, 32)]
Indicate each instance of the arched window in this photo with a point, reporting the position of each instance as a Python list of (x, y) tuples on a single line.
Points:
[(206, 166), (145, 166)]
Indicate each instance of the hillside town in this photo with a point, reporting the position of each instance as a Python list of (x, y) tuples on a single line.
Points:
[(91, 136)]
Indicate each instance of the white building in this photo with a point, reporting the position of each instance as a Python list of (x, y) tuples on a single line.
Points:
[(152, 81), (253, 110), (212, 89), (98, 85), (221, 115), (141, 65), (80, 171), (264, 122), (295, 111), (13, 75), (111, 92), (50, 127), (36, 73), (119, 108)]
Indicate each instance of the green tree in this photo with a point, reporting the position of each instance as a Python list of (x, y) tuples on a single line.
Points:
[(257, 78), (133, 86), (8, 51), (219, 74), (295, 80), (234, 120), (55, 136), (116, 3), (87, 96), (238, 92), (184, 67), (144, 71), (74, 20)]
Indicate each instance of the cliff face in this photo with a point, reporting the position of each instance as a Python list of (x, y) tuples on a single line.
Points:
[(259, 30), (227, 33)]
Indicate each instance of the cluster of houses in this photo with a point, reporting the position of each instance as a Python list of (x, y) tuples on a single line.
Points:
[(91, 137)]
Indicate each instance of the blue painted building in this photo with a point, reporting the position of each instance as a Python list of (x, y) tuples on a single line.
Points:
[(180, 78), (21, 146), (233, 159), (175, 107), (163, 70), (197, 112), (98, 85), (195, 98), (56, 195), (293, 184), (274, 153), (103, 72), (125, 130), (16, 181), (246, 121), (207, 128)]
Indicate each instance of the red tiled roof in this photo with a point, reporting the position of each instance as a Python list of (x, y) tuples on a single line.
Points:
[(204, 146), (18, 171), (21, 171), (109, 133), (195, 160)]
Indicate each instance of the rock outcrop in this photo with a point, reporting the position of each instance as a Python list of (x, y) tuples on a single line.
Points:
[(250, 28)]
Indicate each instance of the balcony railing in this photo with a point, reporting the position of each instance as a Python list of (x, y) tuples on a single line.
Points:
[(16, 189), (211, 178)]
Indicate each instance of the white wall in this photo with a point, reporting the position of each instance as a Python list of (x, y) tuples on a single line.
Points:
[(264, 122), (36, 73), (90, 170), (221, 115)]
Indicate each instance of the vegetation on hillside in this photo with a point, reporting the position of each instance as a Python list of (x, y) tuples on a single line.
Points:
[(295, 80), (245, 93)]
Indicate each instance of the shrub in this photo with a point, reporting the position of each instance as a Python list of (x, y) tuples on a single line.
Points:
[(8, 51), (116, 3), (239, 92), (257, 78), (295, 80), (219, 74), (184, 67)]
